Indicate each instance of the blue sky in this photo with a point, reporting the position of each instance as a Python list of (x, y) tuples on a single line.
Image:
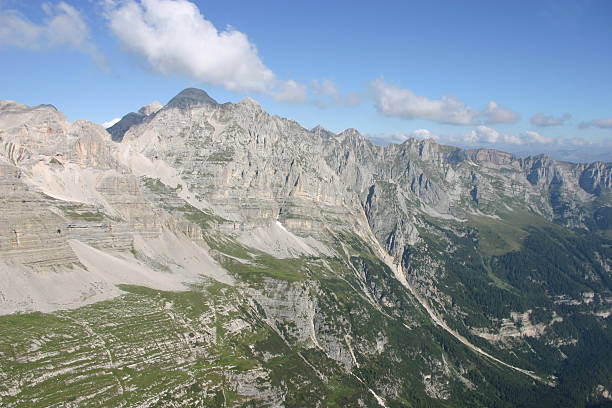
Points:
[(467, 73)]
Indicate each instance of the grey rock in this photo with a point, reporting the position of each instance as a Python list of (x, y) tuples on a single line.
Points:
[(196, 174), (131, 119), (150, 108), (190, 98)]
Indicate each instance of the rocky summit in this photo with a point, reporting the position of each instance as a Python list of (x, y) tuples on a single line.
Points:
[(215, 255)]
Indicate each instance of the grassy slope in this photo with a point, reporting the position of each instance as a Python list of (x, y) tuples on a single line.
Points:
[(156, 348)]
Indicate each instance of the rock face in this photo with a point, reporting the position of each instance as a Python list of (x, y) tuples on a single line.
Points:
[(118, 129), (132, 119), (150, 108), (297, 251)]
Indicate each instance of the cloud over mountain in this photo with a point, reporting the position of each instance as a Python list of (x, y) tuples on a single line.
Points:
[(494, 113), (480, 135), (173, 38), (391, 100)]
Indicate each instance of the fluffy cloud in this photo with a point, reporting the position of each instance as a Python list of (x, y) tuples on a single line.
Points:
[(542, 120), (384, 139), (484, 134), (422, 134), (605, 123), (63, 26), (291, 92), (480, 135), (531, 136), (488, 136), (174, 38), (498, 114), (391, 100)]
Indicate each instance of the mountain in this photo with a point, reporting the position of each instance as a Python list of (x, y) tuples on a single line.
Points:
[(218, 255)]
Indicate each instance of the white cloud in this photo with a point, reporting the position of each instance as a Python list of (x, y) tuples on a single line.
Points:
[(604, 123), (398, 137), (485, 135), (525, 144), (422, 134), (384, 139), (391, 100), (63, 26), (480, 135), (542, 120), (291, 92), (495, 113), (531, 136), (174, 38), (110, 123)]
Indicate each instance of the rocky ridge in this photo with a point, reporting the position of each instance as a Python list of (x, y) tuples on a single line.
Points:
[(197, 192)]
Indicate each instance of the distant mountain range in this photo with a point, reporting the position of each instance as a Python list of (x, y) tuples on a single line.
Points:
[(206, 254)]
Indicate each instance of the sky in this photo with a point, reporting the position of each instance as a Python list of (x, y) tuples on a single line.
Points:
[(523, 76)]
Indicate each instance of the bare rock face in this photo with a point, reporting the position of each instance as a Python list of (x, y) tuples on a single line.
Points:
[(315, 237), (150, 108), (271, 183), (131, 119), (248, 166), (596, 178), (490, 155)]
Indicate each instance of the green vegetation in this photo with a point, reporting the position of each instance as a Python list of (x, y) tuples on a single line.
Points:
[(497, 236), (157, 345), (327, 329), (522, 262)]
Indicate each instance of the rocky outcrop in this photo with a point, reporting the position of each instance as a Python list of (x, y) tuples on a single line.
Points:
[(265, 178), (321, 246), (132, 119)]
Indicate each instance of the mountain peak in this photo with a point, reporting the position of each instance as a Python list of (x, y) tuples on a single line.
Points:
[(490, 155), (321, 131), (249, 101), (150, 108), (191, 97), (350, 132)]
